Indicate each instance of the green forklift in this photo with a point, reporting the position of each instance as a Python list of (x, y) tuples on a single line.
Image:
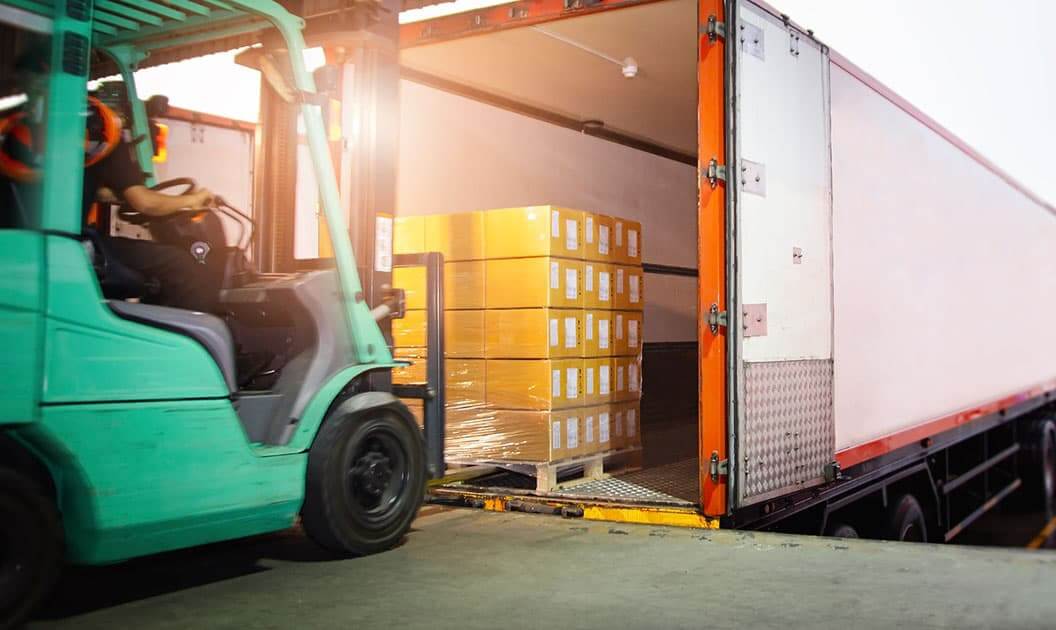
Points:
[(128, 428)]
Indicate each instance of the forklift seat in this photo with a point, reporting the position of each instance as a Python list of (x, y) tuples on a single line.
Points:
[(208, 330)]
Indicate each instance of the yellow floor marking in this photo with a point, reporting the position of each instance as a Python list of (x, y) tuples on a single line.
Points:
[(1043, 536)]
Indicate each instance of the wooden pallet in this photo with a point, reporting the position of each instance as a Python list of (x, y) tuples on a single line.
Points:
[(546, 473)]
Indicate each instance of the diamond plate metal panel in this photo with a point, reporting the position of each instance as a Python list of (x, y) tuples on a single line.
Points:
[(788, 434)]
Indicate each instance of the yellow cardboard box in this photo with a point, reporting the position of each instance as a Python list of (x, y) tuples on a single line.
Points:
[(627, 242), (597, 381), (408, 235), (606, 428), (597, 285), (627, 333), (505, 435), (533, 282), (463, 285), (458, 236), (463, 333), (627, 372), (533, 333), (627, 292), (592, 429), (540, 384), (533, 231), (598, 333), (597, 237), (627, 422), (464, 384)]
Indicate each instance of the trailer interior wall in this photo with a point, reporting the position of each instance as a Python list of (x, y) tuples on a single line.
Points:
[(457, 154), (945, 274)]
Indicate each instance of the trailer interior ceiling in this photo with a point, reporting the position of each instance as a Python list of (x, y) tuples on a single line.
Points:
[(573, 68), (492, 117)]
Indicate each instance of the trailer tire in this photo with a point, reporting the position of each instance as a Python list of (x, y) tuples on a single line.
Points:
[(841, 530), (1040, 481), (905, 520), (31, 546), (365, 480)]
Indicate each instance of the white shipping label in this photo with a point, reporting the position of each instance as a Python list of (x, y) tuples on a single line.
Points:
[(573, 432), (588, 231), (590, 381), (572, 387), (603, 286), (632, 421), (588, 278), (571, 284), (383, 244), (603, 427), (603, 380), (555, 436), (554, 341), (632, 243), (618, 421), (555, 275), (603, 334), (589, 430), (572, 236), (555, 384), (555, 224), (619, 327), (632, 377), (632, 332), (619, 234), (570, 332), (619, 378), (590, 326), (632, 285), (603, 239), (619, 281)]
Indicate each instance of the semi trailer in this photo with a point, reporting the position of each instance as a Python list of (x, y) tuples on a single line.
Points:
[(858, 299)]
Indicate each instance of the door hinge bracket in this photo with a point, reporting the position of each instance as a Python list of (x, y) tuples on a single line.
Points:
[(715, 172), (718, 467), (714, 29), (717, 318)]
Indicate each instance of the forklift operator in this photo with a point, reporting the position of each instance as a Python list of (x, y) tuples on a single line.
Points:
[(112, 176)]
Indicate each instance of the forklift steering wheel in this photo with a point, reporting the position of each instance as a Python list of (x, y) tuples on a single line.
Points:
[(134, 216)]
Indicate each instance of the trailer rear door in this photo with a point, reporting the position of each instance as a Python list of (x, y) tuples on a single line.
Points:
[(781, 306)]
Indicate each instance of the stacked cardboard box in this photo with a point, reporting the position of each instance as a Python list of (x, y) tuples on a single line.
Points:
[(543, 329)]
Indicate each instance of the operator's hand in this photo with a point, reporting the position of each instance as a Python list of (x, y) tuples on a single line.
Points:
[(199, 199)]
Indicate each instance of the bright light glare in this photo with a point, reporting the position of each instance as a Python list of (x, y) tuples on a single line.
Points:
[(213, 84), (447, 8)]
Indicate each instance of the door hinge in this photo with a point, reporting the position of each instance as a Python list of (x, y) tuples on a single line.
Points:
[(718, 467), (715, 172), (714, 29), (717, 318)]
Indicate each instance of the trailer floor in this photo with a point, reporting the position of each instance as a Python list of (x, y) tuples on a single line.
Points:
[(475, 569)]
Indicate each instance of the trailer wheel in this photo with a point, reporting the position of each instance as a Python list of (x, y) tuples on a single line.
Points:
[(31, 542), (1040, 481), (365, 481), (841, 530), (905, 520)]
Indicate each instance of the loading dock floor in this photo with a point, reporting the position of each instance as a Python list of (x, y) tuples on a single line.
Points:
[(475, 569)]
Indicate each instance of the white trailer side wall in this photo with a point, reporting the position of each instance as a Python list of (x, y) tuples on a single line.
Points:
[(457, 154), (944, 274)]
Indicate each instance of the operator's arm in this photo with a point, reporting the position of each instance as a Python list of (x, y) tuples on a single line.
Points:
[(159, 204)]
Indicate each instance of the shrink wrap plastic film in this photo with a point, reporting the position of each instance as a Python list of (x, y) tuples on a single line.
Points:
[(543, 331)]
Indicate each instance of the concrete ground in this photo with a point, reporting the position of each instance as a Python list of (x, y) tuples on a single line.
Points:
[(473, 569)]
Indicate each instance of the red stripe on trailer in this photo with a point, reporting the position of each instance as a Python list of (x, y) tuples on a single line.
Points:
[(881, 446)]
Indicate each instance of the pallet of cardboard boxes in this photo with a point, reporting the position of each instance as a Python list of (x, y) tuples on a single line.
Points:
[(542, 333)]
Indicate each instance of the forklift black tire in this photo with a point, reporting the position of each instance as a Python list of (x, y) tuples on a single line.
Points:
[(1039, 479), (31, 547), (905, 520), (365, 481)]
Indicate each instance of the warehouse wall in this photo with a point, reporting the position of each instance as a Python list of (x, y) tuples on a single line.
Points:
[(457, 154)]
